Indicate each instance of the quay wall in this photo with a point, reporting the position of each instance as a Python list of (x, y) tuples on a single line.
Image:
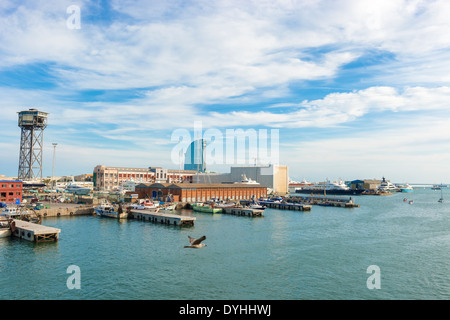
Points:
[(65, 211)]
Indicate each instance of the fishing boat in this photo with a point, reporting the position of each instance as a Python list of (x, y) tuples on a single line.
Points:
[(13, 213), (106, 209), (206, 207)]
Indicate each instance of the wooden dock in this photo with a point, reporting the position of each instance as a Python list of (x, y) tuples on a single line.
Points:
[(34, 232), (282, 205), (161, 217), (287, 206), (243, 211), (328, 201)]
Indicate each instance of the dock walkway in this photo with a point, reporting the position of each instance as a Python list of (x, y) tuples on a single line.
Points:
[(243, 211), (282, 205), (161, 217), (34, 232), (330, 201)]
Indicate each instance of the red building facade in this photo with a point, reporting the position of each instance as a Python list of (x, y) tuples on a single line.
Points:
[(11, 191), (193, 192)]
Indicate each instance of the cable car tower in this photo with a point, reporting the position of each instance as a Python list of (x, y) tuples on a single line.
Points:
[(32, 123)]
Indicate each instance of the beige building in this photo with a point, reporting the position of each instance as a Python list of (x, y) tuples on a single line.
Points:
[(111, 178), (274, 177)]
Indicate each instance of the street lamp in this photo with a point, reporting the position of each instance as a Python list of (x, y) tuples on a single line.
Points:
[(53, 166)]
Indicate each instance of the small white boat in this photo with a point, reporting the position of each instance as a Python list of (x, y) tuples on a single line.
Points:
[(5, 229), (142, 207), (170, 207), (257, 206), (441, 200), (149, 204)]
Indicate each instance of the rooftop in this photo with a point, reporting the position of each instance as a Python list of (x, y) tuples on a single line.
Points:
[(197, 185)]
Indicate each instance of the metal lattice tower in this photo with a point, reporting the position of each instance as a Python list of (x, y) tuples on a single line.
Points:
[(32, 123)]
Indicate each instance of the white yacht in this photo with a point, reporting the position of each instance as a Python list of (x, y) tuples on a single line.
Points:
[(78, 190), (295, 185), (329, 187), (246, 180), (386, 186)]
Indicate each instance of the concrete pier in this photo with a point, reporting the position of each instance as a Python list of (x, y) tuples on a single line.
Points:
[(60, 210), (331, 201), (243, 211), (161, 217), (282, 205), (34, 232)]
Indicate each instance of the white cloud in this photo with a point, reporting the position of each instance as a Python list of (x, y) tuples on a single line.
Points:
[(415, 151)]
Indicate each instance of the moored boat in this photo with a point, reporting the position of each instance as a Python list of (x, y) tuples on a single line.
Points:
[(149, 204), (257, 206), (206, 207), (5, 229), (78, 190), (106, 209), (441, 199), (14, 213), (387, 186), (405, 188), (167, 207), (329, 188)]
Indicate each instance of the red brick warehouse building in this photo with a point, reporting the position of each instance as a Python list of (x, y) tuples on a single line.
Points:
[(11, 191), (192, 192)]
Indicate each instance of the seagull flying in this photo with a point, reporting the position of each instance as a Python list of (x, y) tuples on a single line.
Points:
[(196, 243)]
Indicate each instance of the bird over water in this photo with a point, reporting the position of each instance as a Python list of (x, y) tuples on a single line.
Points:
[(196, 243)]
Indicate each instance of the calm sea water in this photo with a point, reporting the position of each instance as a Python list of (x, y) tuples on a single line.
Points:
[(322, 254)]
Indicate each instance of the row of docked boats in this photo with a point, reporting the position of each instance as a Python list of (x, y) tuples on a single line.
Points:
[(216, 206), (106, 209), (9, 214), (340, 188)]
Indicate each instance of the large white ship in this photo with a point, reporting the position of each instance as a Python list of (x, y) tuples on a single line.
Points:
[(329, 188)]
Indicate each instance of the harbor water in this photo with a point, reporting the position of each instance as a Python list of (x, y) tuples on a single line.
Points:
[(285, 255)]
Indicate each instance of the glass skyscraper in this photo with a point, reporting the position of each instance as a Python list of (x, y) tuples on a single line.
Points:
[(194, 158)]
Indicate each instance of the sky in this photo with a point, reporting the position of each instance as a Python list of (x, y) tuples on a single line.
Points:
[(355, 89)]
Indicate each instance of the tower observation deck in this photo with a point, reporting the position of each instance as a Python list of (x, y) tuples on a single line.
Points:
[(32, 123)]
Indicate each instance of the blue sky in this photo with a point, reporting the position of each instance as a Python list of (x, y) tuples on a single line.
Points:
[(357, 89)]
